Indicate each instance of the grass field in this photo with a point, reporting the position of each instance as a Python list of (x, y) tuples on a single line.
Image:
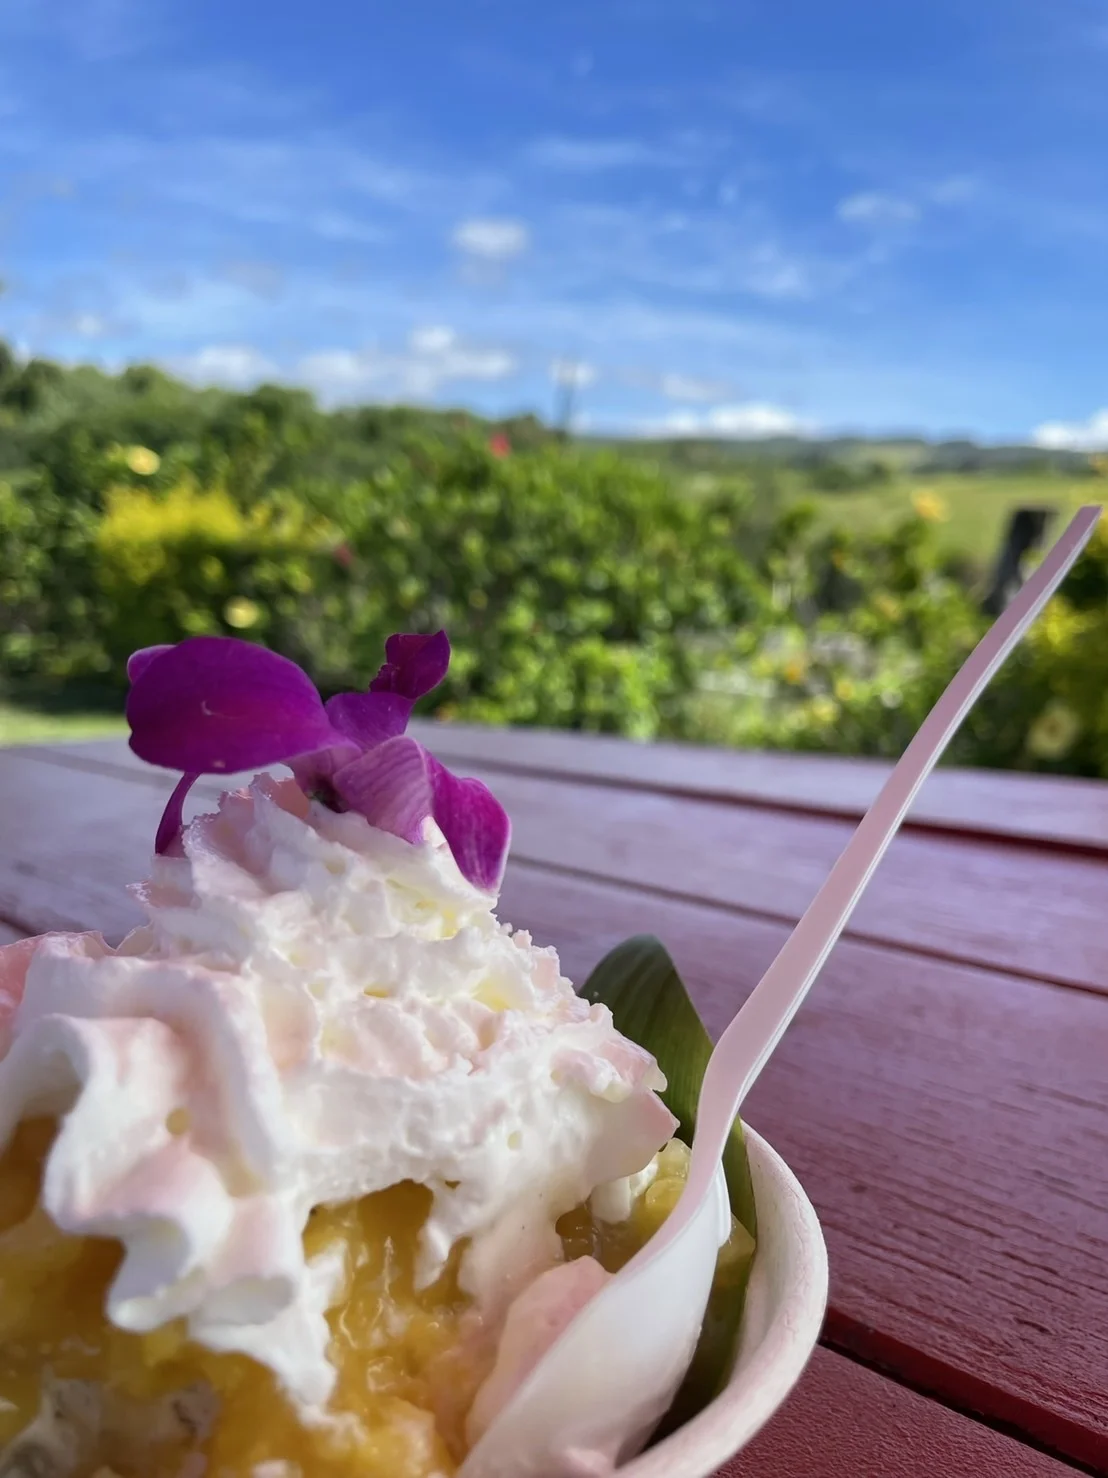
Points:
[(35, 726), (974, 510)]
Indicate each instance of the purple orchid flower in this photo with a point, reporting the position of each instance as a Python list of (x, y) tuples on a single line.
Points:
[(214, 705)]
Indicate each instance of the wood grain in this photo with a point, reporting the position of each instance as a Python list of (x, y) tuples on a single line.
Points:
[(1047, 808), (1005, 905), (951, 1127), (949, 1123), (843, 1421), (1057, 810), (1010, 906)]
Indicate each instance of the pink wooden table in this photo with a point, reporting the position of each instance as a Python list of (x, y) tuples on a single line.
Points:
[(943, 1095)]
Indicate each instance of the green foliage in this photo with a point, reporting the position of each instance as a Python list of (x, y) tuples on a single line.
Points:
[(831, 476), (581, 588)]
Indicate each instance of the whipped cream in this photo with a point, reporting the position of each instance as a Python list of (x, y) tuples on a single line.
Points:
[(316, 1010)]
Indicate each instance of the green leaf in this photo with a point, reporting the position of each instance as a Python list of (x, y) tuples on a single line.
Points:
[(639, 984)]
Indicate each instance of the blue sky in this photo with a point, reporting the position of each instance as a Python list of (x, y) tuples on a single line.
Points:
[(737, 216)]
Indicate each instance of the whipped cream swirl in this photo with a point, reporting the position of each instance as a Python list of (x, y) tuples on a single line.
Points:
[(316, 1010)]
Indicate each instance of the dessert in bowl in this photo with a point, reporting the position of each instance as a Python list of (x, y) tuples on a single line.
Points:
[(303, 1177)]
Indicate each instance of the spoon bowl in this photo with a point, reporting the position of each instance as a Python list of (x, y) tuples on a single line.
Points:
[(782, 1315), (786, 1299)]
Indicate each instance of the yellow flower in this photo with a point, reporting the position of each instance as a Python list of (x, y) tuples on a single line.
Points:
[(929, 506), (1052, 734), (824, 710), (844, 689), (886, 605), (795, 670), (242, 613), (141, 460)]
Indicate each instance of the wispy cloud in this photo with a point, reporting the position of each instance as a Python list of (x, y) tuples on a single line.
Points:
[(690, 388), (89, 326), (1074, 436), (435, 355), (92, 30), (876, 208), (955, 189), (596, 155), (771, 272), (237, 366), (492, 239), (573, 374), (743, 422)]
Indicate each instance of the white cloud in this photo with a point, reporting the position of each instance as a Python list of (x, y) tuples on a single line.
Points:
[(336, 225), (434, 356), (744, 421), (434, 339), (875, 208), (573, 372), (492, 239), (954, 190), (237, 365), (771, 273), (688, 387), (89, 325), (1074, 436), (591, 156)]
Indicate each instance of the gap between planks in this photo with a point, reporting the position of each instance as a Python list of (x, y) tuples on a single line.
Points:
[(1035, 911)]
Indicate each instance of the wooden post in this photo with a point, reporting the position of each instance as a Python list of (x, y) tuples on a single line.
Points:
[(1026, 531)]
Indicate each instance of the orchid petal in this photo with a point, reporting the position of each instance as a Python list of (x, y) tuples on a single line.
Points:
[(169, 827), (414, 664), (139, 661), (475, 825), (214, 705), (390, 786), (397, 785), (369, 718)]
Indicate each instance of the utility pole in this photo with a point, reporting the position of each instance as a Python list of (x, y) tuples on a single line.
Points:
[(568, 375)]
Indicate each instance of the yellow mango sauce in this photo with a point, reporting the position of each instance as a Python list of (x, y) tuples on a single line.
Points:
[(409, 1362)]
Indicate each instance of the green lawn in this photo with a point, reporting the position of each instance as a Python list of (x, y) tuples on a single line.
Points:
[(35, 726), (975, 509)]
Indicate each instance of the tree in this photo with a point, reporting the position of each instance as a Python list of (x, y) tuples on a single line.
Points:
[(30, 386)]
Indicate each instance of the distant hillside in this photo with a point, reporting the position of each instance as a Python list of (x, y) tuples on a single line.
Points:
[(881, 456), (43, 404)]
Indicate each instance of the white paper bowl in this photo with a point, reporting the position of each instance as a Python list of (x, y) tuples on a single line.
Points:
[(785, 1305)]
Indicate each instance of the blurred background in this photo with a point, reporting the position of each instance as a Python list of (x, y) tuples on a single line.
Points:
[(709, 370)]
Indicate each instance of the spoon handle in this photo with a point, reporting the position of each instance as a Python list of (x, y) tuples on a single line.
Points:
[(746, 1045)]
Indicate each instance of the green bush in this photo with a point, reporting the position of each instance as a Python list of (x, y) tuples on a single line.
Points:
[(863, 634), (593, 635), (580, 589), (571, 584)]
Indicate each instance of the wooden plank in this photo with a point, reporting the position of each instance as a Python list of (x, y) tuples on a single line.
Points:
[(70, 843), (1007, 906), (948, 1123), (844, 1421), (1002, 905), (1057, 810)]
